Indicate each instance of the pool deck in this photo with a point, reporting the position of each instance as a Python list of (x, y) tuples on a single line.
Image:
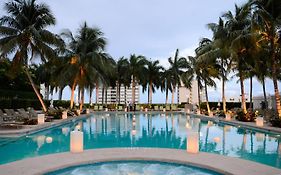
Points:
[(246, 125), (222, 164)]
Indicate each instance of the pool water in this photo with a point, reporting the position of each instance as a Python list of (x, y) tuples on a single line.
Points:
[(133, 168), (152, 130)]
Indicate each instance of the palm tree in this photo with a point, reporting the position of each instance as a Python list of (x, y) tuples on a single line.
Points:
[(219, 53), (266, 17), (204, 71), (85, 51), (123, 76), (23, 34), (152, 77), (166, 83), (136, 69), (238, 27), (178, 68)]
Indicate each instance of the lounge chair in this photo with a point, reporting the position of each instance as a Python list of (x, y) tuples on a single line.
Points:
[(161, 108), (32, 113), (156, 108), (100, 108), (168, 108), (137, 107), (11, 115), (174, 108), (120, 108), (23, 113), (96, 108)]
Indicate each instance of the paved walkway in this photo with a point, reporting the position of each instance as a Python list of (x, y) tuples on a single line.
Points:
[(248, 125), (222, 164)]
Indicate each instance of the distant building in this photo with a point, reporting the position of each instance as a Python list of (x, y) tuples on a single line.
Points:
[(111, 96), (186, 95), (259, 100)]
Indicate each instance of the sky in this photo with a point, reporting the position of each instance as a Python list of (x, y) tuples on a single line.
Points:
[(153, 28)]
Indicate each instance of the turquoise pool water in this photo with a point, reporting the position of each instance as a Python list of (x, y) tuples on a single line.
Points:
[(155, 130), (133, 168)]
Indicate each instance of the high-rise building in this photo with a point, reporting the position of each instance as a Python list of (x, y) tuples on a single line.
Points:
[(190, 96), (110, 96)]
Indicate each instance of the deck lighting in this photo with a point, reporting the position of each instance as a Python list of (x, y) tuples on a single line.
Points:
[(64, 115), (76, 141), (40, 118), (192, 142), (259, 121)]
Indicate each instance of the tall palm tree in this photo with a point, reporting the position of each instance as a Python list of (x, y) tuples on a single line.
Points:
[(238, 26), (136, 69), (219, 53), (266, 16), (152, 77), (123, 76), (166, 83), (204, 71), (23, 33), (178, 68), (85, 51)]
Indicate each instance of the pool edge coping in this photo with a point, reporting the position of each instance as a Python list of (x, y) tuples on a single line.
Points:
[(53, 162)]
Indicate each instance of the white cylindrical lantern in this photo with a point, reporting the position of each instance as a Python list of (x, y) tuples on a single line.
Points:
[(106, 109), (145, 109), (192, 142), (76, 142), (198, 112), (40, 118), (227, 117), (87, 111), (64, 115), (164, 109), (125, 109), (259, 121), (211, 114)]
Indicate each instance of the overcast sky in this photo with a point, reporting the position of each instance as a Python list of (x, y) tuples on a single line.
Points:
[(153, 28)]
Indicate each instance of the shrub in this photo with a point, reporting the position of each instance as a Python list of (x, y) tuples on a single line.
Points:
[(30, 121), (248, 117)]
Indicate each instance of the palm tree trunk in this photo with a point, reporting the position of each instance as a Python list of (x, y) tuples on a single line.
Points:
[(173, 95), (251, 92), (72, 94), (82, 99), (275, 83), (223, 87), (243, 102), (150, 93), (167, 95), (133, 91), (119, 94), (97, 92), (264, 93), (223, 96), (105, 94), (79, 95), (102, 95), (60, 92), (35, 90), (207, 99), (90, 96), (199, 97)]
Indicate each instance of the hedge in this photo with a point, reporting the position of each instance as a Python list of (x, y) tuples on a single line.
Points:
[(21, 103)]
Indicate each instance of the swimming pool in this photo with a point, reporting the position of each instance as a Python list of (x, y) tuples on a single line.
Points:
[(152, 130), (133, 167)]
